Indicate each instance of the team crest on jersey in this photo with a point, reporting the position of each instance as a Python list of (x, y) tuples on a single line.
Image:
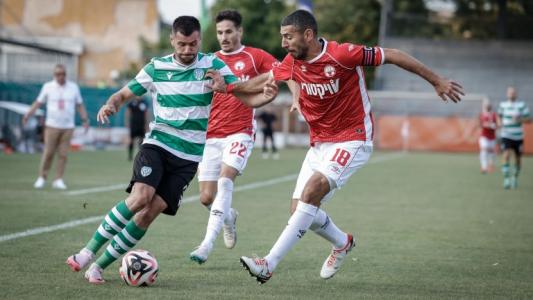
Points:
[(329, 71), (304, 69), (146, 171), (198, 74), (239, 66), (350, 48)]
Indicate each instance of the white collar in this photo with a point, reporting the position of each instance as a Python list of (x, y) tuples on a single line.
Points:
[(233, 52), (324, 48), (179, 64)]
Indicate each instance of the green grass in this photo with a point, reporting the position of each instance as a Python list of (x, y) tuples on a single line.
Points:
[(428, 226)]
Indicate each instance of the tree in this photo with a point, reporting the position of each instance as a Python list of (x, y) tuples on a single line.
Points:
[(261, 22)]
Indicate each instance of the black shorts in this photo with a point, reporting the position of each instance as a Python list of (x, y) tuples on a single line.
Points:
[(168, 174), (515, 145)]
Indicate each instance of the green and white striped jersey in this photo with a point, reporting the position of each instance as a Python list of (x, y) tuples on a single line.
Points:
[(181, 102), (509, 112)]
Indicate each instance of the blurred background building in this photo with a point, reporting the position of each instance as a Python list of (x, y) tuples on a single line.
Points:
[(484, 44)]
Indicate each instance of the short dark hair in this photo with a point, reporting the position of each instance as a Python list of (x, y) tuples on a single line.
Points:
[(185, 25), (230, 15), (302, 20)]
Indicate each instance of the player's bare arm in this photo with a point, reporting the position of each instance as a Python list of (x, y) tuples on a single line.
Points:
[(445, 88), (294, 87), (113, 104), (252, 86), (270, 91)]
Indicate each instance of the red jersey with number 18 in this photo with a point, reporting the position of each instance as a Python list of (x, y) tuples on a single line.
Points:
[(333, 96), (228, 114)]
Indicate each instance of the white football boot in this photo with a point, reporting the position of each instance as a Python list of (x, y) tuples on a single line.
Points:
[(94, 274), (230, 229), (257, 267), (200, 254), (79, 260), (336, 258)]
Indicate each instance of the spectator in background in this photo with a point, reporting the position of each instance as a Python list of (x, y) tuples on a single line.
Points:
[(62, 98), (137, 122), (267, 119), (511, 115), (488, 122)]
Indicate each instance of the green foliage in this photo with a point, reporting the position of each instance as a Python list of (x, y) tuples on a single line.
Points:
[(348, 21), (261, 22)]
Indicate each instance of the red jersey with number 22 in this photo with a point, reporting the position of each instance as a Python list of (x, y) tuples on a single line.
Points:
[(333, 96), (228, 114)]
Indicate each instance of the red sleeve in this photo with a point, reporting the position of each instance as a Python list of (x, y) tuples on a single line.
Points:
[(283, 71), (266, 61), (351, 55)]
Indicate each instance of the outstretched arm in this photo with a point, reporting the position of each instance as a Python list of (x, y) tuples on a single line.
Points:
[(113, 104), (446, 89), (252, 86), (270, 91)]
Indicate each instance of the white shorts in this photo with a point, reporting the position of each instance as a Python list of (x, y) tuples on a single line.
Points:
[(336, 161), (233, 150), (485, 143)]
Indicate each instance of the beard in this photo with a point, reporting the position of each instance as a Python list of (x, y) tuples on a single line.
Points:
[(186, 59), (300, 54)]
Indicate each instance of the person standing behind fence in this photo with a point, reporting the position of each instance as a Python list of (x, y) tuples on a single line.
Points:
[(267, 119), (137, 122), (62, 98), (488, 122), (512, 114)]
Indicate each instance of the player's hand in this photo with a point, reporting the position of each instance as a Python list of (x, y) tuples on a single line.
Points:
[(25, 120), (270, 90), (449, 90), (105, 112), (295, 106), (218, 85)]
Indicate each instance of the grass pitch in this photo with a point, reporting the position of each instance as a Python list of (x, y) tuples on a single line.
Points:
[(427, 226)]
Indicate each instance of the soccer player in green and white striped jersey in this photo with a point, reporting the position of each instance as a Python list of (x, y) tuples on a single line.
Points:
[(181, 88), (512, 114)]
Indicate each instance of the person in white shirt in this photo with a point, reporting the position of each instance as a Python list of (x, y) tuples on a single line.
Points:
[(62, 98)]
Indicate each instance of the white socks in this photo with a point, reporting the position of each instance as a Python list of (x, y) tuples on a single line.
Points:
[(219, 210), (298, 224), (324, 227), (486, 158), (483, 159)]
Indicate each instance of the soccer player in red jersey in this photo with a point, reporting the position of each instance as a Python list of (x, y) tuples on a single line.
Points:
[(335, 103), (488, 120), (230, 134)]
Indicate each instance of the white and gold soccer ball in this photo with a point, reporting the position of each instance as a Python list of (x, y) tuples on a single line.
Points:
[(139, 268)]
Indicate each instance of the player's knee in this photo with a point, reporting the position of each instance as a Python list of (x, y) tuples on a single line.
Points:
[(139, 198), (149, 213), (206, 198), (316, 188)]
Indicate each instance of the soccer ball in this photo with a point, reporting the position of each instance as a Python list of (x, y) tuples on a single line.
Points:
[(139, 268)]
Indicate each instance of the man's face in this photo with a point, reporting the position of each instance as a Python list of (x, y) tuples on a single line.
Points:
[(511, 93), (185, 47), (228, 36), (294, 42), (60, 75)]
